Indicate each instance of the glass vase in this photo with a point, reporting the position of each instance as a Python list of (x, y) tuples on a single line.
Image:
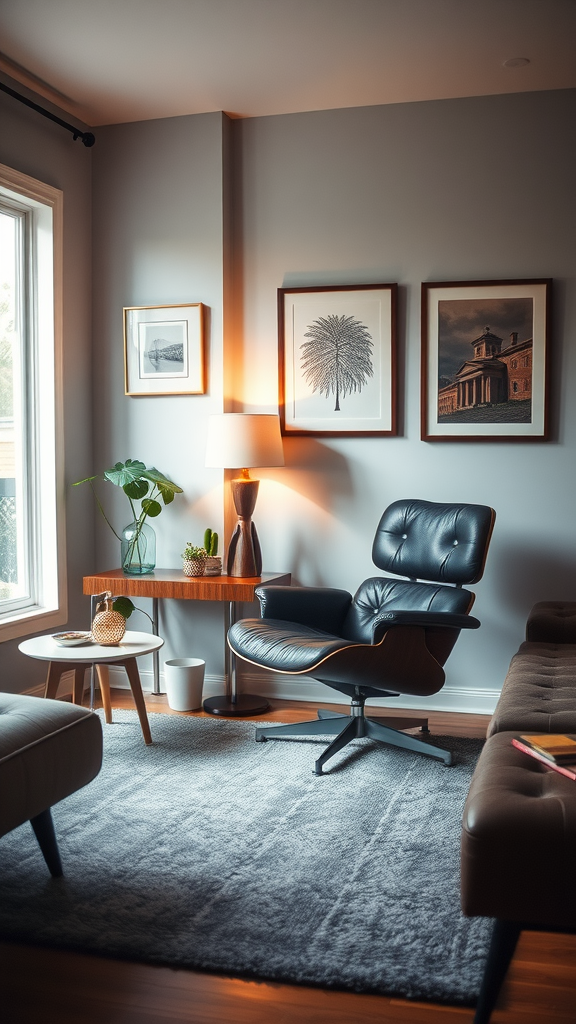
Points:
[(138, 549)]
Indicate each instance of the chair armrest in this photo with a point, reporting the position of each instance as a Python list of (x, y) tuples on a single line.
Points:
[(441, 620), (320, 608)]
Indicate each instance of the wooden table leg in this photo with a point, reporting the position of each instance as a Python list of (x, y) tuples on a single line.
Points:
[(136, 687), (55, 672), (104, 684), (78, 689)]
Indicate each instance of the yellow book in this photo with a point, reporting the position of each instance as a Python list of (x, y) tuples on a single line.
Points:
[(556, 746)]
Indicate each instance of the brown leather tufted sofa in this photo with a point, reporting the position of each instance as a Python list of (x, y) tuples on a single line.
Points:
[(519, 824)]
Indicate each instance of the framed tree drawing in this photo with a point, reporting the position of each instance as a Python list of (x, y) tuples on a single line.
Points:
[(337, 360), (164, 350), (485, 360)]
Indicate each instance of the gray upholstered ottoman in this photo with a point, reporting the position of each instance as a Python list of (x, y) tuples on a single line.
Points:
[(48, 749)]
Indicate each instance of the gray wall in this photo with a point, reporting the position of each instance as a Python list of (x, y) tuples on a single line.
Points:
[(159, 238), (478, 188), (36, 146), (471, 189)]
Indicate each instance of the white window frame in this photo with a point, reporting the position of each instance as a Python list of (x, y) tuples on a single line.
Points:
[(47, 541)]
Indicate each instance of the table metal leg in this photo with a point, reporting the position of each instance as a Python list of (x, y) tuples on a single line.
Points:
[(233, 704), (155, 654)]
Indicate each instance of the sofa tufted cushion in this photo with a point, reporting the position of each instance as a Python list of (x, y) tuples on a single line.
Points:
[(518, 840), (552, 622), (539, 692), (48, 749)]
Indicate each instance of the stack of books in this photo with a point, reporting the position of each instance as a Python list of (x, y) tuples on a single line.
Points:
[(558, 751)]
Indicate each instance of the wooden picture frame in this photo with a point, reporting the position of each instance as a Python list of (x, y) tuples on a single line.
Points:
[(337, 360), (164, 350), (485, 360)]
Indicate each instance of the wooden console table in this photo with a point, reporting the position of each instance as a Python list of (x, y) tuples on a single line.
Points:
[(172, 583)]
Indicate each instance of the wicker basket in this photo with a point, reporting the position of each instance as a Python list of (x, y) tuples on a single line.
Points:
[(108, 626)]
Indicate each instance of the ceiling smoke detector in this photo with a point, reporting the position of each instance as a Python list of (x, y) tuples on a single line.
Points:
[(516, 62)]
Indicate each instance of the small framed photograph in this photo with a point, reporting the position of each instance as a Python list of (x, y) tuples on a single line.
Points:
[(485, 361), (337, 360), (164, 350)]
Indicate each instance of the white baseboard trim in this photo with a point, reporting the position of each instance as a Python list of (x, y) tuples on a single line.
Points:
[(283, 687), (449, 698)]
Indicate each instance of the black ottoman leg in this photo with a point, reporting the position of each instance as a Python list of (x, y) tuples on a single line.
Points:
[(44, 832), (502, 945)]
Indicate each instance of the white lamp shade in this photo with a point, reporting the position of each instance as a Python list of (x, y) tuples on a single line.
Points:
[(238, 440)]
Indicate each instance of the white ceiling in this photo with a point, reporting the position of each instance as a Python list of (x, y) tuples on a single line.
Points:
[(110, 61)]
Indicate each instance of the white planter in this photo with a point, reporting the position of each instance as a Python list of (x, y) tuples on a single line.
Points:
[(184, 679)]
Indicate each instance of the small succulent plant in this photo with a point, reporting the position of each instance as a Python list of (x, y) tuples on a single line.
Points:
[(191, 552)]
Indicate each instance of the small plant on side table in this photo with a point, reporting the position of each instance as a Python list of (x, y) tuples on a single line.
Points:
[(193, 560), (213, 561)]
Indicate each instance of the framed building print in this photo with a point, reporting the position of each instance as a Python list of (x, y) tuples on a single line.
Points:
[(164, 350), (337, 360), (485, 360)]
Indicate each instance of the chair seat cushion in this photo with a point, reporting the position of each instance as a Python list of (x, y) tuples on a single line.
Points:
[(48, 749), (283, 646), (518, 839), (539, 692)]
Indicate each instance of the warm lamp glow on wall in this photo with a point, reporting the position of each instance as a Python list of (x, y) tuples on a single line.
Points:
[(244, 441)]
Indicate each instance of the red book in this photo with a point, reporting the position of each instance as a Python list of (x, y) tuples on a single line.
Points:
[(570, 773)]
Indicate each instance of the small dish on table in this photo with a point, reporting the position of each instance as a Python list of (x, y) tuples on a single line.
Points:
[(71, 638)]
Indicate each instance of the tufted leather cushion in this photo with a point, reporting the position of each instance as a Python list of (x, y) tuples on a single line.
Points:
[(431, 541), (283, 646), (539, 692), (48, 749), (552, 622), (518, 840), (379, 595)]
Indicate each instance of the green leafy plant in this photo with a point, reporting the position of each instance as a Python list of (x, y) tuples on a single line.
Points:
[(139, 484), (192, 552), (125, 606), (211, 542)]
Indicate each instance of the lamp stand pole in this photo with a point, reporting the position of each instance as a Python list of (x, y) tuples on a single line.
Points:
[(234, 704)]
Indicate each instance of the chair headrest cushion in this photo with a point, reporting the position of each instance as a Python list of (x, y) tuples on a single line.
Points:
[(427, 540)]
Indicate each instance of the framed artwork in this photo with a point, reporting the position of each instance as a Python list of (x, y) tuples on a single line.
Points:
[(337, 360), (485, 360), (164, 350)]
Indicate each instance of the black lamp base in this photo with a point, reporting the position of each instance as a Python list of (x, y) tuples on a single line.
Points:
[(241, 706)]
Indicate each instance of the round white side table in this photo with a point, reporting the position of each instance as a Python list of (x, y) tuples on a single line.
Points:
[(76, 659)]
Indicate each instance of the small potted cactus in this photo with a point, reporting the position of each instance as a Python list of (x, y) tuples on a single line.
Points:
[(193, 560), (213, 561)]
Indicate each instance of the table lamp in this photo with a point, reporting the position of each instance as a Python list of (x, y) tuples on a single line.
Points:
[(243, 441)]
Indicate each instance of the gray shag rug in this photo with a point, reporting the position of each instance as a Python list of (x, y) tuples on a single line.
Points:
[(213, 852)]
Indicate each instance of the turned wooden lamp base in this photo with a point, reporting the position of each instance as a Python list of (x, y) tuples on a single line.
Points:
[(244, 553)]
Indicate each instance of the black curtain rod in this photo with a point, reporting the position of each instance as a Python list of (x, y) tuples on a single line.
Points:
[(87, 137)]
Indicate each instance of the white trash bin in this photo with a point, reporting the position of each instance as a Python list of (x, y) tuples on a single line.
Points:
[(184, 678)]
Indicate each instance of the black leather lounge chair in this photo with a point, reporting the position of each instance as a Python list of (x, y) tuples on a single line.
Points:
[(392, 637)]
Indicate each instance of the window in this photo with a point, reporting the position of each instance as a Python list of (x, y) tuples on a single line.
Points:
[(32, 563)]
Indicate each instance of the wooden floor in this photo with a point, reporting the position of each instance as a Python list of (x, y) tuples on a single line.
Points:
[(42, 986)]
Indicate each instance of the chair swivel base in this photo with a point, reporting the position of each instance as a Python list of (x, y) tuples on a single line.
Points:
[(346, 728), (240, 706)]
